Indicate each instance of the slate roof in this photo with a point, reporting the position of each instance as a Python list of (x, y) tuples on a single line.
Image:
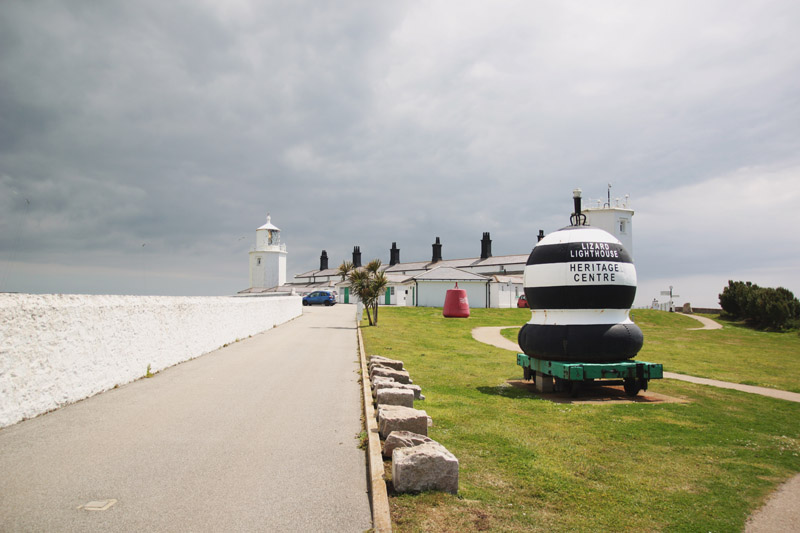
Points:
[(507, 279), (326, 272), (393, 279), (449, 274), (503, 260), (398, 278), (419, 265), (300, 288)]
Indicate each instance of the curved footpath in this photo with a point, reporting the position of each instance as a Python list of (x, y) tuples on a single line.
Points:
[(781, 512), (258, 436), (707, 322)]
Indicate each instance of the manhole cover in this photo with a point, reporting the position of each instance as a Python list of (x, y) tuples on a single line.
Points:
[(97, 505)]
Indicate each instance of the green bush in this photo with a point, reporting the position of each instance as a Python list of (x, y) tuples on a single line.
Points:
[(764, 307)]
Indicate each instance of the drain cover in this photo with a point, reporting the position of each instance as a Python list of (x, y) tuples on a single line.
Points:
[(97, 505)]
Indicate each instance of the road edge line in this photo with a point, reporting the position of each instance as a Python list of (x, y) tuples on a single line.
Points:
[(379, 498)]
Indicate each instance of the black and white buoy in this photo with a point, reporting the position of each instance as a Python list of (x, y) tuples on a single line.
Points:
[(580, 283)]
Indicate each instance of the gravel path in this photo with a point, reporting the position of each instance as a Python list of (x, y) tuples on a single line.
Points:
[(257, 436)]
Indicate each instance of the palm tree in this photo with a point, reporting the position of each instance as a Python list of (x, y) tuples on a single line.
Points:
[(379, 283), (374, 266), (360, 284), (345, 268), (368, 284)]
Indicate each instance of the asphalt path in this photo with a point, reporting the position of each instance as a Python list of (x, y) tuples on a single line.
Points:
[(257, 436)]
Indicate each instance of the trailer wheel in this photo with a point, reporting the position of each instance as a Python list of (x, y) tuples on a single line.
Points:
[(526, 373), (632, 386), (574, 388)]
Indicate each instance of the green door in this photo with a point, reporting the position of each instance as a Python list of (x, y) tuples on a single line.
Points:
[(388, 297), (347, 295)]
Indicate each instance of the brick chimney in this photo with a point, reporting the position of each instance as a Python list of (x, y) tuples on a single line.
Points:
[(486, 246), (394, 254), (437, 251)]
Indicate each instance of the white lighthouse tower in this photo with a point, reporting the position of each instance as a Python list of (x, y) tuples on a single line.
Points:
[(268, 258)]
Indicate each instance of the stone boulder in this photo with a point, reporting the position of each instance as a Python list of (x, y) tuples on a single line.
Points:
[(373, 366), (388, 363), (398, 418), (395, 385), (385, 361), (399, 376), (395, 396), (427, 466), (379, 381), (403, 439)]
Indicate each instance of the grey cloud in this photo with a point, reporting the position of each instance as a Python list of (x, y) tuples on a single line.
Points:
[(181, 124)]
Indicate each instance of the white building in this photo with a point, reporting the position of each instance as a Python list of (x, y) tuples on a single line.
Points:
[(432, 286), (489, 281)]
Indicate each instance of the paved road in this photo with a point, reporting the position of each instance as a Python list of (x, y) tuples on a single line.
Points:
[(258, 436)]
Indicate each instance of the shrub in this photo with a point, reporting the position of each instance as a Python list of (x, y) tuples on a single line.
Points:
[(764, 307)]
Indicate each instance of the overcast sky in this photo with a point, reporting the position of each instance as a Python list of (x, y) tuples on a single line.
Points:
[(142, 143)]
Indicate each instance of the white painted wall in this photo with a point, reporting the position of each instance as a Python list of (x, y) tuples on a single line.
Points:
[(352, 298), (403, 294), (504, 295), (615, 220), (268, 267), (432, 293), (257, 269), (275, 274), (57, 349)]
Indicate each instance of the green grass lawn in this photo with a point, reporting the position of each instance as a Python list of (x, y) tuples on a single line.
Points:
[(528, 464), (735, 353)]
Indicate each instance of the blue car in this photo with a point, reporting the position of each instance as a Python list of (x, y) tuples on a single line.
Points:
[(319, 297)]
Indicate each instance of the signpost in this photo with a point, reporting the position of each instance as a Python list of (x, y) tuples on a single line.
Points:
[(671, 296)]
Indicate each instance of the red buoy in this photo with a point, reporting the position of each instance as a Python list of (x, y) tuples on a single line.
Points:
[(456, 304)]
